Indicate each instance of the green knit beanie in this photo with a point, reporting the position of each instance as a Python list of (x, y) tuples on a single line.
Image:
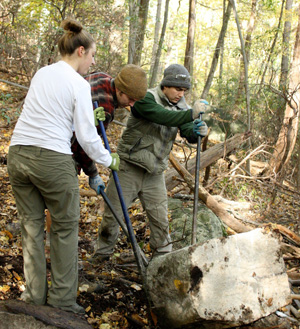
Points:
[(132, 81)]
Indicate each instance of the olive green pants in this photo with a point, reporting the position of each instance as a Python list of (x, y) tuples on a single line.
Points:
[(151, 190), (40, 179)]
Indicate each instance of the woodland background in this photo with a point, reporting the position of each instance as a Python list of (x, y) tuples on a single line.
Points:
[(244, 59)]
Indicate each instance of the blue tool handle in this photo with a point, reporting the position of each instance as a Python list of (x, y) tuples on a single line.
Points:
[(124, 208)]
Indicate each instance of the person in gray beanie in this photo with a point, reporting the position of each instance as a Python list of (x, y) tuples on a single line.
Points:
[(144, 150), (176, 75)]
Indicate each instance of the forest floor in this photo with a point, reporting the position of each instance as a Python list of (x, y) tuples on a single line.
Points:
[(112, 292)]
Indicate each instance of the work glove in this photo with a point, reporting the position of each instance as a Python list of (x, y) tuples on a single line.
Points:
[(96, 183), (115, 162), (99, 114), (200, 128), (200, 106)]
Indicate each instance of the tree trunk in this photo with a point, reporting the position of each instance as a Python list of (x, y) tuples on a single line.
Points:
[(250, 29), (285, 59), (189, 49), (266, 63), (246, 73), (288, 132), (219, 46), (156, 33), (221, 59), (133, 14), (222, 283), (160, 44), (140, 34)]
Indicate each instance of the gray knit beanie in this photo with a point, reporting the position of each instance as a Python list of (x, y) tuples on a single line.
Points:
[(132, 81), (176, 75)]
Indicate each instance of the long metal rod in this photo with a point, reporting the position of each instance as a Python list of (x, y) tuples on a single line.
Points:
[(124, 208), (196, 190), (121, 223)]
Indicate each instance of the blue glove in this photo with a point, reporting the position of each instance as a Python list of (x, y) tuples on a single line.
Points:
[(200, 106), (96, 183), (200, 128)]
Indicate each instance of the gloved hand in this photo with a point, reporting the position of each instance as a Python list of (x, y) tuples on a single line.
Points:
[(200, 106), (99, 114), (96, 183), (115, 162), (200, 128)]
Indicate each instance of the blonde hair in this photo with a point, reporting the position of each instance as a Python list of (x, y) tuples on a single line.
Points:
[(74, 37)]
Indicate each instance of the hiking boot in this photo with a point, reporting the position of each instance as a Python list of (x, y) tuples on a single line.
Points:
[(72, 308), (98, 258)]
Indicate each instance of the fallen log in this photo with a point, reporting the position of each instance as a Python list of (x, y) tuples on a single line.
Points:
[(18, 314), (221, 283), (208, 157), (287, 233), (209, 200)]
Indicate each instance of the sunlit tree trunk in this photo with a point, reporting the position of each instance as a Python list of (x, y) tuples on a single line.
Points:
[(156, 33), (266, 63), (285, 59), (189, 49), (248, 41), (140, 33), (221, 56), (160, 44), (133, 25), (219, 46), (243, 50), (288, 132)]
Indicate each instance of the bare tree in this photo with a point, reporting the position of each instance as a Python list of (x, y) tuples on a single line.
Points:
[(138, 13), (222, 54), (266, 63), (248, 42), (160, 44), (133, 26), (189, 49), (156, 33), (219, 46), (285, 59), (243, 50), (288, 133), (140, 33)]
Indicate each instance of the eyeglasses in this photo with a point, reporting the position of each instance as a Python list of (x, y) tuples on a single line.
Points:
[(183, 77)]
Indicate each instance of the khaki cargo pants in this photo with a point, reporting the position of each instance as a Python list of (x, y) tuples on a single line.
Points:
[(151, 190), (40, 179)]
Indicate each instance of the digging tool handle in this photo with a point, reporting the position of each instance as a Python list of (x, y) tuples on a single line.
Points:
[(124, 209), (196, 191), (121, 223)]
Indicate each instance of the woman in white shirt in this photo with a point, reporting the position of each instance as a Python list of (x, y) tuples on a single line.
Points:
[(42, 171)]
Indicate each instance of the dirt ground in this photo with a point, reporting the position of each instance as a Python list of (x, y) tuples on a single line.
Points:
[(112, 292)]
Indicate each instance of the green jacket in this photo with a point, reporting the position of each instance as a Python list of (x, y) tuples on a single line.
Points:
[(152, 128)]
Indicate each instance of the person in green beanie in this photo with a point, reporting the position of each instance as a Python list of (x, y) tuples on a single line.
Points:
[(144, 150)]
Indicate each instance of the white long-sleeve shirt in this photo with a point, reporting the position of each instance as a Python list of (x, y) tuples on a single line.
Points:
[(58, 101)]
